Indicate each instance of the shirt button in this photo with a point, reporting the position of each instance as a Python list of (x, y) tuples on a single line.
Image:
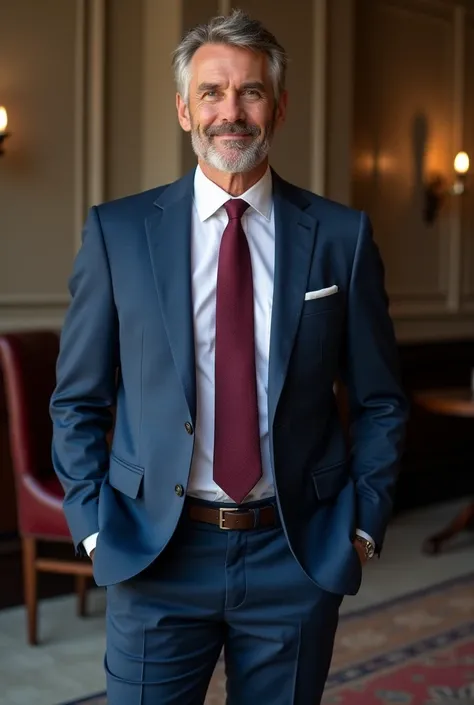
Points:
[(179, 489), (189, 428)]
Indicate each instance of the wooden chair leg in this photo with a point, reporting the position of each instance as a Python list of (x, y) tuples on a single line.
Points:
[(30, 587), (461, 522), (81, 589)]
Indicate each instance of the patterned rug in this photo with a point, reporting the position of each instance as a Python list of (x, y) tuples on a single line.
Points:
[(416, 650)]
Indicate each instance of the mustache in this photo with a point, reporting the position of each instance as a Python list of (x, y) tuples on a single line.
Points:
[(233, 128)]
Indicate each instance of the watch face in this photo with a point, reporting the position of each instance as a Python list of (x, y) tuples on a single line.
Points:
[(368, 546)]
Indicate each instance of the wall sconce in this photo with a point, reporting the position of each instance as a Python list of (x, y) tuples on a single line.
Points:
[(461, 167), (3, 127), (437, 190)]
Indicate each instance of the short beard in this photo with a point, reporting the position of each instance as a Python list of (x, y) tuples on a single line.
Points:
[(241, 157)]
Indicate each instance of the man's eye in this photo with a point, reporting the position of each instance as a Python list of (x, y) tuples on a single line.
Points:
[(210, 94), (252, 93)]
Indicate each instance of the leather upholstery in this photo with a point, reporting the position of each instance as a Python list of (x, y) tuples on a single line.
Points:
[(28, 362)]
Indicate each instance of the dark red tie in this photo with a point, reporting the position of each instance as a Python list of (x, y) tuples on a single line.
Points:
[(237, 460)]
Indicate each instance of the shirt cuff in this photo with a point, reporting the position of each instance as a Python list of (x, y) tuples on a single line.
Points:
[(90, 543), (363, 535)]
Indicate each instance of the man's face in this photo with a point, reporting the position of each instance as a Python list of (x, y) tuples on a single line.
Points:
[(231, 112)]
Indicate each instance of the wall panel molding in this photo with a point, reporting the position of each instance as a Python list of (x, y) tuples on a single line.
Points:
[(95, 82), (435, 9), (409, 304), (90, 110), (161, 132), (467, 293), (33, 300), (79, 121), (437, 298), (319, 97), (455, 240), (436, 328), (224, 7), (340, 99), (30, 310)]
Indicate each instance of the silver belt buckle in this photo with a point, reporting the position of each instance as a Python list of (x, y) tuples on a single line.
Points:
[(222, 511)]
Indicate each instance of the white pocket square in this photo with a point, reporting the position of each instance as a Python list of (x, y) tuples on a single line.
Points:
[(320, 293)]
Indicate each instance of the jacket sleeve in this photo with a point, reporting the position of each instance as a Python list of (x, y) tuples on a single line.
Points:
[(378, 407), (86, 384)]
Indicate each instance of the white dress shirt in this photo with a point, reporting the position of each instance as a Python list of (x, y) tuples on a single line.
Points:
[(209, 220)]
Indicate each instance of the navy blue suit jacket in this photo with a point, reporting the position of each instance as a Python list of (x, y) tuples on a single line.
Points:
[(127, 342)]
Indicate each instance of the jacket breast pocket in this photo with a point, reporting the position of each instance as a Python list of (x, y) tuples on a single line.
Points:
[(325, 303), (125, 477)]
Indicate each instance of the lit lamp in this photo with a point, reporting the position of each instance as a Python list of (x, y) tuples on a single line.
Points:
[(461, 167), (3, 127), (436, 190)]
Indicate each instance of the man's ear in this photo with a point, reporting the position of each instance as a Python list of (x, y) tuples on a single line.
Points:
[(183, 113)]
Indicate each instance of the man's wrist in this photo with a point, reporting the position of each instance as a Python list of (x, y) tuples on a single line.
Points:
[(365, 546), (90, 543), (365, 536)]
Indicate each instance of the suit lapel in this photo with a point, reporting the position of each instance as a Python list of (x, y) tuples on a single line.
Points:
[(169, 242), (295, 235)]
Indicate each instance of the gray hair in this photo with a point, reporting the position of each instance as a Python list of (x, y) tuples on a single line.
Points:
[(238, 30)]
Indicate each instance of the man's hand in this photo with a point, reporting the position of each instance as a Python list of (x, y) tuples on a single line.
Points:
[(360, 552)]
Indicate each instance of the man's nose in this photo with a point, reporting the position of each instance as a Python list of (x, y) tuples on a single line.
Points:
[(231, 108)]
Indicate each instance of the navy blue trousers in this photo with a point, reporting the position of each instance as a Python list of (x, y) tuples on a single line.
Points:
[(209, 589)]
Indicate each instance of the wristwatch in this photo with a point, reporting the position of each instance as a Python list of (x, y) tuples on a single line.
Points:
[(368, 546)]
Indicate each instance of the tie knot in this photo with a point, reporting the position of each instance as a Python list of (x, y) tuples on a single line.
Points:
[(235, 208)]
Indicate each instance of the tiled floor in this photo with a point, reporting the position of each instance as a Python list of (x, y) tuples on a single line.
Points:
[(68, 664)]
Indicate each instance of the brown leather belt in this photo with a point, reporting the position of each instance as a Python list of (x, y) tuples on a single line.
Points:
[(235, 518)]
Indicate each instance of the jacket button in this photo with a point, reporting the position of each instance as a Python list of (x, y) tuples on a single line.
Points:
[(179, 489), (189, 428)]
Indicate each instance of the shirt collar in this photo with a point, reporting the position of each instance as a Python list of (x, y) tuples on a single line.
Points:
[(209, 197)]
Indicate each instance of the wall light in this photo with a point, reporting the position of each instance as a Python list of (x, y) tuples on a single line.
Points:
[(437, 189), (3, 127), (461, 167)]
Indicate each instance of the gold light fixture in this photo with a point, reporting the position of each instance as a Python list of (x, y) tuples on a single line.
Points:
[(437, 189), (3, 127)]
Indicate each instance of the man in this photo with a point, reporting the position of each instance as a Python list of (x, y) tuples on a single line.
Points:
[(215, 315)]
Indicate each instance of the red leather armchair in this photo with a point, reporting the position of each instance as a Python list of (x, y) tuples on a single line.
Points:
[(28, 361)]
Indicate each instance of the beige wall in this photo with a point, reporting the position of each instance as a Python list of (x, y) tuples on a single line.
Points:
[(90, 98), (291, 154), (193, 13), (91, 106), (38, 171), (124, 97), (467, 292), (412, 112), (295, 163), (341, 41)]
